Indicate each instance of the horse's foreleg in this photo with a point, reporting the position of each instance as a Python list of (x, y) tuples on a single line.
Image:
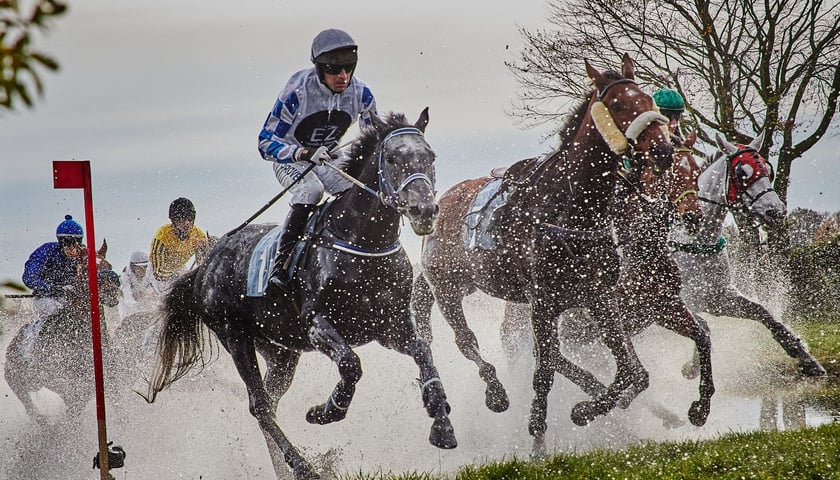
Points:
[(495, 396), (793, 346), (680, 320), (244, 355), (328, 341), (631, 378), (442, 434), (422, 301), (545, 344)]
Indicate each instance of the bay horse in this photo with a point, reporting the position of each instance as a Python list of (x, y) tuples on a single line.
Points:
[(649, 285), (556, 248), (737, 178), (354, 286), (61, 356)]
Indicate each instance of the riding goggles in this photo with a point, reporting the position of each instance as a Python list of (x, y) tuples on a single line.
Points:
[(336, 68)]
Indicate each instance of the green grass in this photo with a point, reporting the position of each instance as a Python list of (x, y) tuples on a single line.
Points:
[(811, 453)]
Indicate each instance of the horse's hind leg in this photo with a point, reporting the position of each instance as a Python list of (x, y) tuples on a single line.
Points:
[(260, 405), (442, 434), (280, 370), (792, 345), (495, 396), (328, 341)]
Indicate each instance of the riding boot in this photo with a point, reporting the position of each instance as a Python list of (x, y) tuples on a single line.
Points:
[(292, 232)]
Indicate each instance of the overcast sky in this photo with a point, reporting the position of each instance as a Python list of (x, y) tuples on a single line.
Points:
[(166, 99)]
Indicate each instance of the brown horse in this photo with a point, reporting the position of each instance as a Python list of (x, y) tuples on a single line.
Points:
[(61, 358), (555, 244)]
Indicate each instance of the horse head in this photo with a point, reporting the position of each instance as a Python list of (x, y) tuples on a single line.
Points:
[(406, 173), (628, 119), (749, 179), (681, 184)]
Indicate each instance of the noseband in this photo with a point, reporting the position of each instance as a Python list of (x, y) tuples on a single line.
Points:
[(388, 195)]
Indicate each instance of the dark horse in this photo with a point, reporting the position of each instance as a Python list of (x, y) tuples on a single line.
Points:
[(556, 248), (648, 290), (61, 357), (354, 287)]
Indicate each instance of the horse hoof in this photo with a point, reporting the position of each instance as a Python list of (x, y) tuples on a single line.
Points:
[(699, 413), (305, 472), (690, 371), (538, 453), (810, 367), (583, 413), (324, 414), (442, 434), (496, 398)]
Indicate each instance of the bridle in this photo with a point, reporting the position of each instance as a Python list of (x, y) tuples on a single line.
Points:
[(388, 195)]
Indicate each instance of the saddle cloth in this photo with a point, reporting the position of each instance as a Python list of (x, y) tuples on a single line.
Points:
[(480, 221), (262, 262)]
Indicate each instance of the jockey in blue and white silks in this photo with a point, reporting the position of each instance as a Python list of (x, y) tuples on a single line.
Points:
[(309, 117)]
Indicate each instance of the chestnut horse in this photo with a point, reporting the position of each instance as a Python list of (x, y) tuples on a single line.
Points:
[(555, 244)]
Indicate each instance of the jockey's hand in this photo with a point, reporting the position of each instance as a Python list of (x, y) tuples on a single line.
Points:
[(317, 155)]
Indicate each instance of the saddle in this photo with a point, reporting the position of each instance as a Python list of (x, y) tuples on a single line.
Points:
[(481, 221)]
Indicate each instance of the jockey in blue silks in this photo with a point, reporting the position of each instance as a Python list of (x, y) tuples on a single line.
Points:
[(51, 271), (309, 117)]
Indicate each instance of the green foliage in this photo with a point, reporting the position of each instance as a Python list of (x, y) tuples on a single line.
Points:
[(815, 279), (19, 63)]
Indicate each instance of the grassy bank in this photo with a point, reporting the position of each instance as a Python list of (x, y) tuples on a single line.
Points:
[(812, 453)]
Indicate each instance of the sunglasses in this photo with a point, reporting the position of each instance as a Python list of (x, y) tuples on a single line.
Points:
[(336, 68)]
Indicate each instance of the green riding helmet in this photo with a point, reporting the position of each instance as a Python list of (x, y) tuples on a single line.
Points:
[(668, 99)]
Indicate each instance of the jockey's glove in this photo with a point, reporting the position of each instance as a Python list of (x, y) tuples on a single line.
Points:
[(317, 155)]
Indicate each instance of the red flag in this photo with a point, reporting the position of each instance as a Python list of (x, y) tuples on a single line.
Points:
[(70, 173)]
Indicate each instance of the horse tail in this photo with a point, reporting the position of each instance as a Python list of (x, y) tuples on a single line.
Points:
[(182, 336)]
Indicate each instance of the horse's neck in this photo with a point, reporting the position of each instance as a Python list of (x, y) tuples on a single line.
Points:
[(360, 218), (579, 186)]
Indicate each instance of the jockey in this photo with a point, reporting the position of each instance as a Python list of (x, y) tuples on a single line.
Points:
[(174, 243), (51, 272), (672, 105), (139, 287), (309, 117)]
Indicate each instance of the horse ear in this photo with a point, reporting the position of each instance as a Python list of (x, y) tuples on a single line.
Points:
[(423, 120), (758, 141), (597, 79), (103, 250), (690, 139), (628, 70), (723, 145)]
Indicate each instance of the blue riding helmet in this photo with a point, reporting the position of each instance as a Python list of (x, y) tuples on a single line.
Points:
[(69, 228)]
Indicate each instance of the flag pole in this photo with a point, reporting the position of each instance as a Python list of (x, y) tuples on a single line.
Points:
[(76, 174)]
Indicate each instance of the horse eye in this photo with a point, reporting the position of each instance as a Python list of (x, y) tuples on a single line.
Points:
[(744, 172)]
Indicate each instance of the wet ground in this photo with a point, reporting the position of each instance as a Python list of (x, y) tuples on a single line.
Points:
[(201, 428)]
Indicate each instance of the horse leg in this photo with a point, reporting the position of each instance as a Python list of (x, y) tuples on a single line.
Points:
[(280, 369), (792, 345), (328, 341), (422, 301), (442, 435), (680, 320), (495, 396), (631, 378), (243, 352), (546, 343), (514, 331)]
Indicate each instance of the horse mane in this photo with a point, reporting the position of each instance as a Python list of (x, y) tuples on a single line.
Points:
[(573, 119), (369, 138)]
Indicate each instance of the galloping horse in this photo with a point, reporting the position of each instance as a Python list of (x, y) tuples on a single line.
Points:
[(61, 357), (737, 178), (555, 244), (354, 287), (649, 285)]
